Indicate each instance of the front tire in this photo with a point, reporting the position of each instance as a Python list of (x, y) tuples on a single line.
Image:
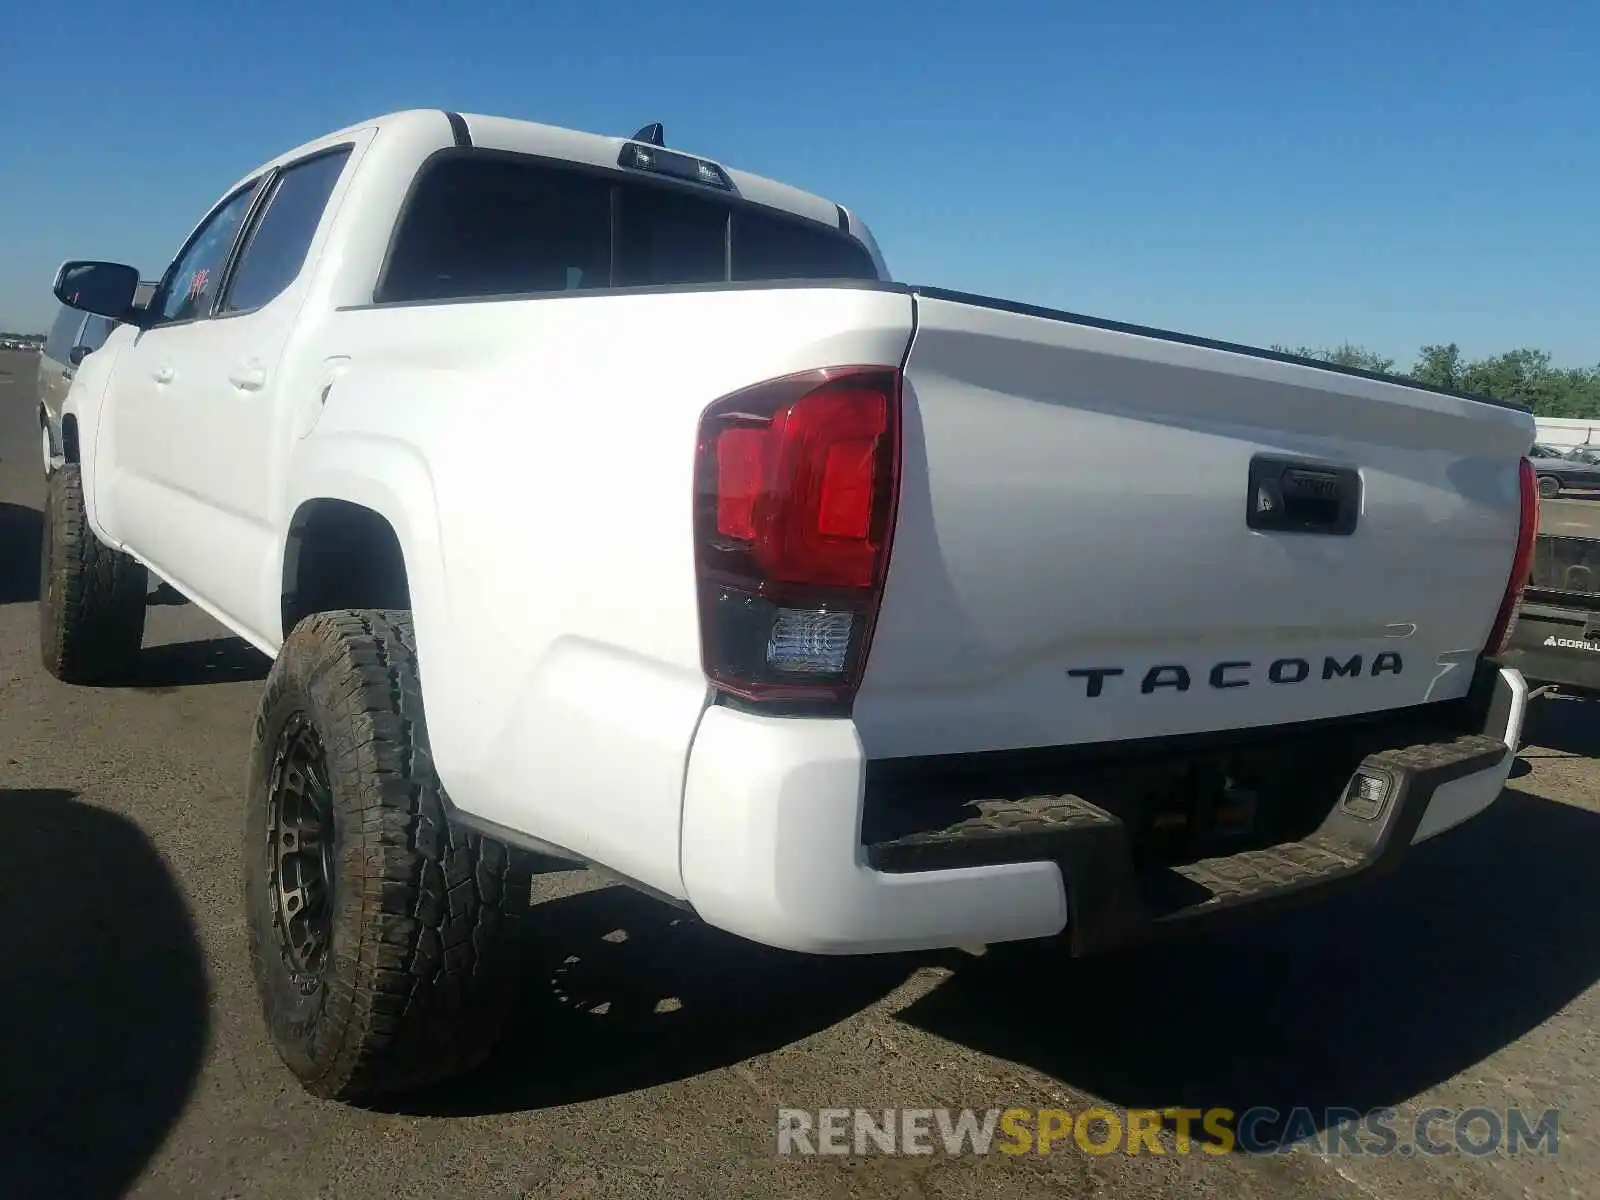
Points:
[(91, 597), (381, 934), (1549, 487)]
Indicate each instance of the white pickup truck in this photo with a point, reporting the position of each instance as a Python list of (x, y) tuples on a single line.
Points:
[(853, 617)]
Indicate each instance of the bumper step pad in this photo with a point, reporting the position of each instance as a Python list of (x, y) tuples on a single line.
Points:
[(1112, 900)]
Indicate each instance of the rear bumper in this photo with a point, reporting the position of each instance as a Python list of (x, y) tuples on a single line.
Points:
[(773, 850)]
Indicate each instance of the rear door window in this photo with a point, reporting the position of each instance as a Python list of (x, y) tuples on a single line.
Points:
[(277, 246)]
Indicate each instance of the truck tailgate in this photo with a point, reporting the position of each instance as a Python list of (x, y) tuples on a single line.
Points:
[(1075, 559)]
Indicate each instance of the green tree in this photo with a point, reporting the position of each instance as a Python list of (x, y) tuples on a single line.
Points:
[(1525, 375), (1345, 354), (1440, 366)]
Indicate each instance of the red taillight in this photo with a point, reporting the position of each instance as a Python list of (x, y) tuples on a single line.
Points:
[(795, 490), (1521, 563), (738, 480)]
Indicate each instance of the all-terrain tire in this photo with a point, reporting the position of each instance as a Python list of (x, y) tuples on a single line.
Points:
[(91, 597), (421, 961)]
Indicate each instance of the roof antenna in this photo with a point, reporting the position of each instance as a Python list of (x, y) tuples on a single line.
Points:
[(651, 135)]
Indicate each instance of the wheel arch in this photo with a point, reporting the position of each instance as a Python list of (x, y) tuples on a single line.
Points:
[(351, 490), (339, 554)]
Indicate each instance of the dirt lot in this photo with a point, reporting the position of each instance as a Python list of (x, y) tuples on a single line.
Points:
[(1570, 518), (651, 1056)]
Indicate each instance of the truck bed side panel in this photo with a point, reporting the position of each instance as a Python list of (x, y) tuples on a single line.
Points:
[(562, 656)]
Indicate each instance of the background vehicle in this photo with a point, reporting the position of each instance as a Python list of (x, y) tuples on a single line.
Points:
[(1556, 639), (73, 336), (1558, 473), (812, 602)]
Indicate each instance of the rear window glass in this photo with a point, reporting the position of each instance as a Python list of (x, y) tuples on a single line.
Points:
[(670, 237), (494, 226), (774, 247), (483, 224)]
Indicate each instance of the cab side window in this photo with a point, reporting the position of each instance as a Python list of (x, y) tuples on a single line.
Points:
[(192, 281), (277, 246)]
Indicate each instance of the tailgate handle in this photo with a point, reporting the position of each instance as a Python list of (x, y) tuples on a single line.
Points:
[(1287, 496)]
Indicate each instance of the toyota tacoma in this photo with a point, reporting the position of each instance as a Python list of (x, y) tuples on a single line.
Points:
[(598, 501)]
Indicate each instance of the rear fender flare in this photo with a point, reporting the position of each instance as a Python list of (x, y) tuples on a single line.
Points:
[(391, 478)]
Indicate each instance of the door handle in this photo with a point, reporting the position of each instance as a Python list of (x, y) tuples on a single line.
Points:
[(162, 374), (248, 378)]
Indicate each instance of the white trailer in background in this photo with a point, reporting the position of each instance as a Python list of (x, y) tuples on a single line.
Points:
[(1565, 432)]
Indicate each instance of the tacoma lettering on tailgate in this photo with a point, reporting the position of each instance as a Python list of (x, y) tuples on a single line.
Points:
[(1238, 673)]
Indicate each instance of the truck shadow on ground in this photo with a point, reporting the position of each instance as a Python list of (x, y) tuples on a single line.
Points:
[(603, 1013), (1361, 1002), (1570, 724), (21, 537), (105, 997), (167, 668)]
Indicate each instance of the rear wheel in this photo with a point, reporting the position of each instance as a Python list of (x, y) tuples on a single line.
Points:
[(381, 934), (91, 597), (1549, 486)]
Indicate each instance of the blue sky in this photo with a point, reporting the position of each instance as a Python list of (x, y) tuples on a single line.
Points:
[(1393, 172)]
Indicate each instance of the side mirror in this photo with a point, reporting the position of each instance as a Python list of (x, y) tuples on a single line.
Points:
[(103, 288), (77, 354)]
